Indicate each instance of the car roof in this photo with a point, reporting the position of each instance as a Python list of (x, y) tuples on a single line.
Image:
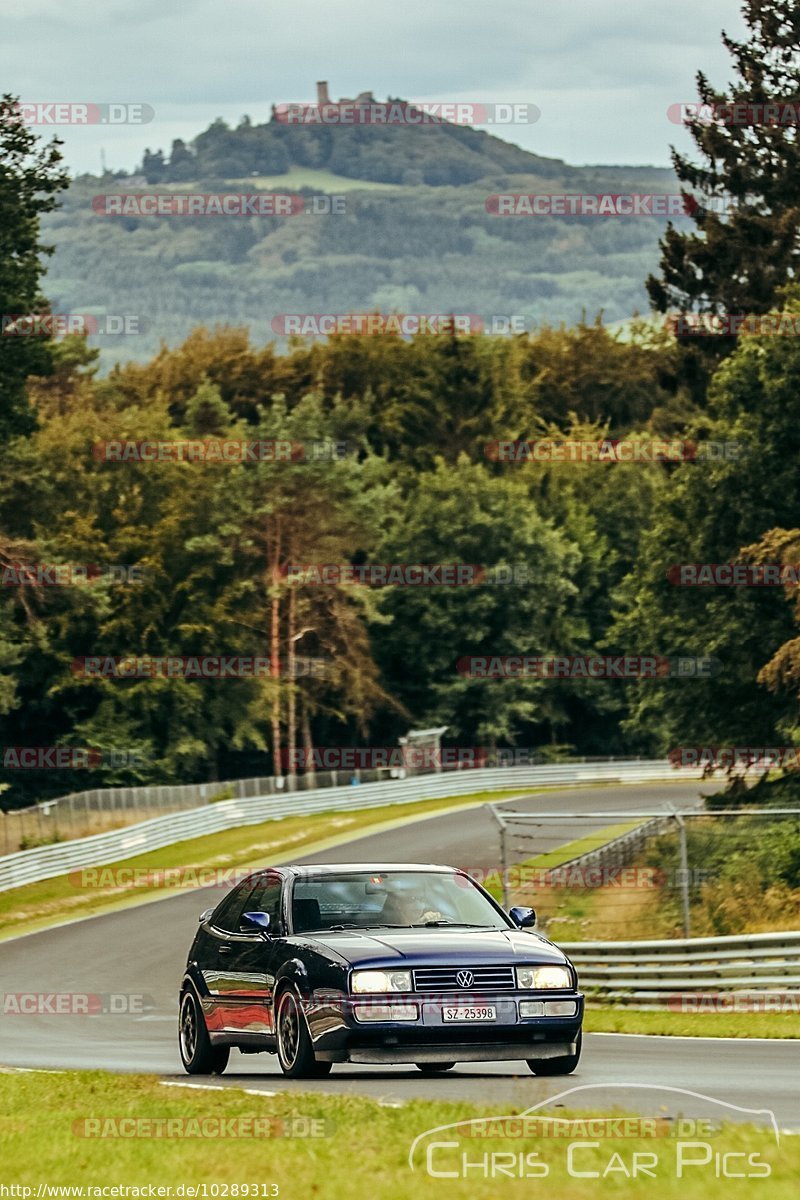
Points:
[(365, 867)]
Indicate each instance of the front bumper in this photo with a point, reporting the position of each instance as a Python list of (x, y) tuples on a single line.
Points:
[(451, 1052), (337, 1035)]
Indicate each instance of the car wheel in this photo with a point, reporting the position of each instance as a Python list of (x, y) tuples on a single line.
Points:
[(198, 1056), (295, 1052), (564, 1065), (434, 1068)]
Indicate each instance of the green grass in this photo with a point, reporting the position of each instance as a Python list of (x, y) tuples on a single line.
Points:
[(592, 841), (608, 1019), (364, 1147), (67, 897)]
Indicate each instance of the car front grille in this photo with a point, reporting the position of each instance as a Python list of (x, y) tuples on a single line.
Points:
[(445, 979)]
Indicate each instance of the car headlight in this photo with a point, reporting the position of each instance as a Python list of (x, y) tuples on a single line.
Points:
[(380, 981), (543, 977)]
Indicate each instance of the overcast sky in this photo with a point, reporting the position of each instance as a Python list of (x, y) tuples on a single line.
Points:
[(602, 73)]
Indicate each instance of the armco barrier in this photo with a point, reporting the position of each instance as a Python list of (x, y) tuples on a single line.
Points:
[(672, 972), (30, 866)]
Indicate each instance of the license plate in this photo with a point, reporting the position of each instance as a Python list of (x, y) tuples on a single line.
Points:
[(486, 1012)]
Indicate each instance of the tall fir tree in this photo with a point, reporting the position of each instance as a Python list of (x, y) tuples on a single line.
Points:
[(747, 243), (30, 178)]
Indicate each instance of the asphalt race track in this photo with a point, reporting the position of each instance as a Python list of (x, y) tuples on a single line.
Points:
[(142, 950)]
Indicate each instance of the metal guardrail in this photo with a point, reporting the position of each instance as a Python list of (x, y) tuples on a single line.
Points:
[(673, 972), (81, 814), (30, 866)]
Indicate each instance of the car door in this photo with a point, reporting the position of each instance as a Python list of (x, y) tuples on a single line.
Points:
[(214, 956), (246, 976)]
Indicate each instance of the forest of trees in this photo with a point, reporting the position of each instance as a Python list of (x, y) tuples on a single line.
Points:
[(415, 484)]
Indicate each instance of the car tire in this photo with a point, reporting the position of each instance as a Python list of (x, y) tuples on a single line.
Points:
[(295, 1051), (434, 1068), (198, 1055), (563, 1065)]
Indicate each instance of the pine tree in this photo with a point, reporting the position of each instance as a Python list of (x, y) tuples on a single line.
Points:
[(738, 260), (206, 412), (30, 177)]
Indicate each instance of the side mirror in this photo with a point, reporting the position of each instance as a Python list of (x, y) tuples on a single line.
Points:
[(523, 918), (256, 922), (205, 915)]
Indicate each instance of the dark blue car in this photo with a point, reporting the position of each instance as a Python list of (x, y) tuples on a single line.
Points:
[(375, 964)]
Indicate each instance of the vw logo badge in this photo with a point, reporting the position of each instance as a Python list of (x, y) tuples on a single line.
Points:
[(465, 979)]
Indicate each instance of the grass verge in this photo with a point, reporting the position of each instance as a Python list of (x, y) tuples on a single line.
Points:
[(607, 1019), (84, 893), (363, 1150)]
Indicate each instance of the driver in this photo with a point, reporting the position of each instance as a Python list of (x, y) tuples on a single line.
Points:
[(401, 908)]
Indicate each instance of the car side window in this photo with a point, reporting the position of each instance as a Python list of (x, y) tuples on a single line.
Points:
[(266, 898), (228, 915)]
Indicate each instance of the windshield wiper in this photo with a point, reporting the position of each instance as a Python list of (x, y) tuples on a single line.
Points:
[(383, 925), (452, 924), (375, 925)]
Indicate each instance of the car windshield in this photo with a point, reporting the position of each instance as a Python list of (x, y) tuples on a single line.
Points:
[(390, 899)]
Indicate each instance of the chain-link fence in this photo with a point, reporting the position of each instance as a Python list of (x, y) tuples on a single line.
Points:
[(103, 809), (666, 874)]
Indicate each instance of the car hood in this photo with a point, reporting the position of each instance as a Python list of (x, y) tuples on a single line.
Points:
[(437, 947)]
